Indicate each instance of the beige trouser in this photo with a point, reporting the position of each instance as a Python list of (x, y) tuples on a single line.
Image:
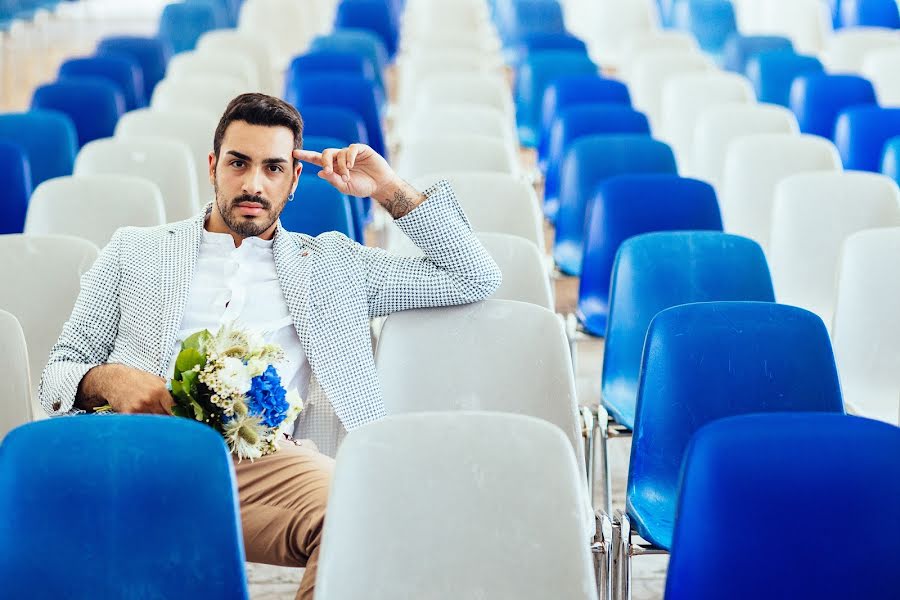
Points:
[(282, 498)]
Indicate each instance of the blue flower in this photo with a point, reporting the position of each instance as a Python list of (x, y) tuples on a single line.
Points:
[(266, 398)]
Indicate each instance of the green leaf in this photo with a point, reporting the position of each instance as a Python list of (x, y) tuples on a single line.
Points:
[(188, 359), (197, 341), (199, 413), (179, 393), (189, 382), (179, 411)]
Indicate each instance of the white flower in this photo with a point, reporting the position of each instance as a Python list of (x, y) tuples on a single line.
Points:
[(256, 367), (246, 436), (296, 405), (235, 375), (230, 341), (255, 340)]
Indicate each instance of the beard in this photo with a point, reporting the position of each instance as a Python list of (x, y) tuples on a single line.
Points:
[(245, 226)]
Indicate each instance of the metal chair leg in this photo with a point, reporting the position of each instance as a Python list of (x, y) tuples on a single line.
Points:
[(624, 564), (615, 573), (602, 554), (605, 478)]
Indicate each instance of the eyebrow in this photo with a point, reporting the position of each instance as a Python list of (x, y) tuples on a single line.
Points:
[(267, 161)]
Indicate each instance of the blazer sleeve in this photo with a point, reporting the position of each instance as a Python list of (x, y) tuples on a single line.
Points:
[(88, 336), (456, 268)]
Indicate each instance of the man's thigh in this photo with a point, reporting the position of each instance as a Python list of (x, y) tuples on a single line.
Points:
[(282, 500)]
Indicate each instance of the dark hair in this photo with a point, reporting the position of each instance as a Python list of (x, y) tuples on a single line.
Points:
[(259, 109)]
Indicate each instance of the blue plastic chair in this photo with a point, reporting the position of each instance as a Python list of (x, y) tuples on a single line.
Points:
[(357, 205), (543, 41), (48, 138), (133, 505), (577, 122), (528, 17), (152, 54), (536, 73), (352, 92), (861, 133), (371, 15), (318, 207), (586, 164), (755, 484), (573, 90), (711, 21), (122, 70), (359, 41), (221, 9), (869, 13), (15, 173), (182, 24), (772, 73), (655, 271), (740, 48), (890, 161), (630, 205), (334, 122), (818, 99), (327, 62), (94, 105)]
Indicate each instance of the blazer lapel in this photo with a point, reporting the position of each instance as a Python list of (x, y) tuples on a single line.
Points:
[(292, 266), (179, 257)]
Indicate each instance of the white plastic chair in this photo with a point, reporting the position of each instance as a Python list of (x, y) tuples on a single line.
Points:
[(192, 127), (866, 330), (256, 48), (209, 93), (413, 68), (15, 380), (807, 23), (754, 165), (642, 41), (882, 68), (686, 96), (41, 278), (812, 215), (651, 70), (489, 90), (847, 48), (454, 119), (472, 152), (230, 64), (167, 163), (92, 207), (717, 126), (525, 276), (605, 25), (456, 505), (287, 24)]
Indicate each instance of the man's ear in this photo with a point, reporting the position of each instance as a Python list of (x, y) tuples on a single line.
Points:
[(212, 168), (298, 168)]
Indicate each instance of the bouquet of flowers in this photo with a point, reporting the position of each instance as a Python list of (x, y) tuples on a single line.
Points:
[(227, 380)]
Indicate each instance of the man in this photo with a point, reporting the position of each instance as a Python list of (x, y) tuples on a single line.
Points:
[(152, 287)]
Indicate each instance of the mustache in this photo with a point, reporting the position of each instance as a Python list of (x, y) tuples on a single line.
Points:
[(254, 199)]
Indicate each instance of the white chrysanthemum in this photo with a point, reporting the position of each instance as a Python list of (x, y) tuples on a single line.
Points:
[(235, 375), (246, 437), (295, 403), (257, 366)]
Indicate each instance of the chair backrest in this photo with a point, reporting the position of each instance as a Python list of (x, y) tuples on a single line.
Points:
[(791, 459), (15, 172), (638, 42), (134, 496), (720, 125), (652, 69), (818, 100), (334, 122), (166, 163), (847, 48), (577, 122), (353, 92), (285, 23), (754, 165), (334, 61), (685, 97), (740, 48), (866, 329), (515, 20), (655, 271), (496, 355), (605, 25), (48, 138), (413, 68), (813, 214), (371, 15), (869, 13), (93, 103), (711, 21), (890, 162), (501, 476), (451, 119), (208, 93), (587, 163), (881, 67), (772, 73), (489, 90), (318, 207), (15, 379), (92, 207), (460, 152), (861, 132), (541, 41), (702, 362), (41, 275), (120, 69), (630, 205), (233, 64), (256, 48), (361, 41), (150, 52), (525, 276), (182, 24), (192, 127)]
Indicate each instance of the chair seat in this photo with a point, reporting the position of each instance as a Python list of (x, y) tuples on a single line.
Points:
[(652, 514), (618, 400)]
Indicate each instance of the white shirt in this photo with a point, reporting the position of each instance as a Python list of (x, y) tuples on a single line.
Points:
[(241, 285)]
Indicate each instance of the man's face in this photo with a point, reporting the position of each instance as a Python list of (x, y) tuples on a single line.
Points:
[(254, 174)]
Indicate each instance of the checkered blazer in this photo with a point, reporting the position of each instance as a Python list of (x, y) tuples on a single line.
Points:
[(132, 300)]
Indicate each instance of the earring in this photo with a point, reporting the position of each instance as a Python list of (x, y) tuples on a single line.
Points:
[(290, 196)]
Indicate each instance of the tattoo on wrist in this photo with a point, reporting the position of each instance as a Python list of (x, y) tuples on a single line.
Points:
[(402, 203)]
